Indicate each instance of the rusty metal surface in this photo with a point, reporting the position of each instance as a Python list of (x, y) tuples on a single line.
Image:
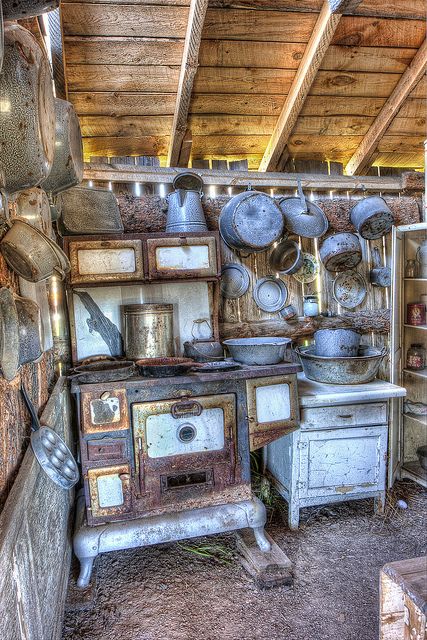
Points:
[(101, 413), (156, 271)]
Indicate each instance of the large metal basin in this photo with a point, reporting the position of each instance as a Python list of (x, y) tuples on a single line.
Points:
[(355, 370), (257, 351)]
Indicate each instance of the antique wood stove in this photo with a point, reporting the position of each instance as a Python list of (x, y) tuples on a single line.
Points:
[(168, 458)]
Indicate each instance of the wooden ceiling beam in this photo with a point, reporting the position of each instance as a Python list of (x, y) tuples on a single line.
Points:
[(190, 61), (315, 51), (362, 157)]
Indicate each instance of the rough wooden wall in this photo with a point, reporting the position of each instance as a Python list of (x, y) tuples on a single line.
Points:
[(35, 546), (14, 419)]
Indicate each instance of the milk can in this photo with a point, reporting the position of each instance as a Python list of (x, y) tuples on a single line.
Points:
[(148, 330)]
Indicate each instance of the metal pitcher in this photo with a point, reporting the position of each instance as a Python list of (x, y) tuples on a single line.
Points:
[(185, 211)]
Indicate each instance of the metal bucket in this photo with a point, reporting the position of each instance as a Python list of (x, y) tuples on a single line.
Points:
[(372, 217), (341, 251), (185, 211), (251, 221), (148, 331)]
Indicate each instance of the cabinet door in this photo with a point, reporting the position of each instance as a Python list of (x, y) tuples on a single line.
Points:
[(341, 461), (182, 257), (272, 408)]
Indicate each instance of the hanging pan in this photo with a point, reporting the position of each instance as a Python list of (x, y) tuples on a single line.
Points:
[(303, 218), (19, 9), (51, 452)]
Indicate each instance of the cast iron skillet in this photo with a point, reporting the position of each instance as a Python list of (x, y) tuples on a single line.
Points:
[(164, 367)]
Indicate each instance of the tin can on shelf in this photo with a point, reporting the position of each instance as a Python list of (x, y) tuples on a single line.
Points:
[(148, 330), (416, 357), (416, 314)]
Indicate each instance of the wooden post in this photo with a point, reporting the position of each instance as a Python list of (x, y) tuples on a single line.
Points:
[(189, 65), (317, 46)]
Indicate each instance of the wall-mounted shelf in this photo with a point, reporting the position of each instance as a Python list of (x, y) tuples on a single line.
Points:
[(422, 374), (415, 279), (414, 326)]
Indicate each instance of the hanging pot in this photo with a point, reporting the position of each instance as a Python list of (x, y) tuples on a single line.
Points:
[(27, 123), (379, 276), (9, 335), (341, 252), (67, 168), (287, 257), (303, 218), (18, 9), (251, 221), (30, 330), (372, 217), (185, 211), (33, 206), (30, 253)]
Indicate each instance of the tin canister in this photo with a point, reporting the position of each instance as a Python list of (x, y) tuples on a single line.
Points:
[(148, 330), (416, 314)]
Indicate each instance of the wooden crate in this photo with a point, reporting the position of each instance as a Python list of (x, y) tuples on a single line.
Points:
[(403, 600)]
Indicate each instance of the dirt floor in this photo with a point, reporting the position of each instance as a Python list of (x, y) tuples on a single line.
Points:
[(173, 592)]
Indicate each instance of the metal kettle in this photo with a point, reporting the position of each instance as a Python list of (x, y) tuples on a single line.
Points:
[(185, 211)]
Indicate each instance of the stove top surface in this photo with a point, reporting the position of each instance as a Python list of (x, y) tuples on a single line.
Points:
[(244, 372)]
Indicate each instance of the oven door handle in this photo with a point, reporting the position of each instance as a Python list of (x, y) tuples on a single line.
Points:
[(184, 408)]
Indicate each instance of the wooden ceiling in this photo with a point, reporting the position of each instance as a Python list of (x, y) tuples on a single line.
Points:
[(123, 61)]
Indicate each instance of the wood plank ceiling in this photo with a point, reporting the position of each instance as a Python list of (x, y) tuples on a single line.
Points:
[(123, 60)]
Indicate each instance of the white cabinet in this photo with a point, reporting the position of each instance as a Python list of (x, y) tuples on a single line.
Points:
[(409, 426), (340, 451)]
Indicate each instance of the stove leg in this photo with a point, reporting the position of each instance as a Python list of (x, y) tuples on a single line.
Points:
[(261, 539), (86, 566)]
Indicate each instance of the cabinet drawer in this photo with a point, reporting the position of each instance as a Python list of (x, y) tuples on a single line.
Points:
[(106, 449), (344, 416)]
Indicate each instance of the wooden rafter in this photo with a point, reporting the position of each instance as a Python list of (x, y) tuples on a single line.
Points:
[(317, 46), (188, 71), (361, 158)]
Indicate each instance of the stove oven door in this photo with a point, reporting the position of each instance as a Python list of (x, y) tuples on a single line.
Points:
[(184, 448), (273, 408)]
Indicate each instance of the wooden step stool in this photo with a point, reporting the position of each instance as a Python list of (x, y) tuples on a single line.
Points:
[(403, 600)]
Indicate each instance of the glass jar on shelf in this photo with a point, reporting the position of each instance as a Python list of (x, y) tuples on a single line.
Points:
[(411, 269), (416, 357)]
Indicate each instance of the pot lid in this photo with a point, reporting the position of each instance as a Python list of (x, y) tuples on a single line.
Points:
[(234, 280), (270, 294), (9, 335), (188, 181)]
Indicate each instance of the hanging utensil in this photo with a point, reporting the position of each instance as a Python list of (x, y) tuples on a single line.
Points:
[(251, 221), (379, 276), (68, 164), (27, 123), (51, 452), (19, 9), (88, 211), (303, 218), (9, 335), (341, 252), (372, 217)]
